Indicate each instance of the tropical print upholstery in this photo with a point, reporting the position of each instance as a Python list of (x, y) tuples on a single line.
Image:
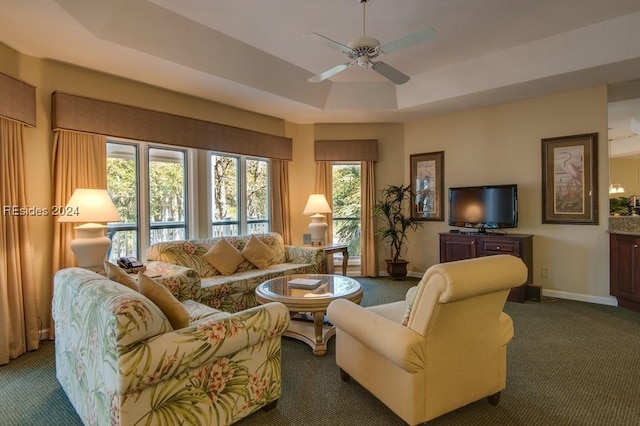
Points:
[(120, 362), (188, 275)]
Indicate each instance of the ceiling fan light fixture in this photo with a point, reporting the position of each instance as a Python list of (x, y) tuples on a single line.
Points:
[(363, 61)]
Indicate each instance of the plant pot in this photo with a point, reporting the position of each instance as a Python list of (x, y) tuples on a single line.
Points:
[(397, 269)]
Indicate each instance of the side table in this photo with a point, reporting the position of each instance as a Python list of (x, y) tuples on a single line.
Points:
[(331, 249)]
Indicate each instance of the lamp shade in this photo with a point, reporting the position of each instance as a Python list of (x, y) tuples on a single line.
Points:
[(90, 206), (317, 203)]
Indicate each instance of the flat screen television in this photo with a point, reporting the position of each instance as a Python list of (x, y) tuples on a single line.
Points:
[(484, 207)]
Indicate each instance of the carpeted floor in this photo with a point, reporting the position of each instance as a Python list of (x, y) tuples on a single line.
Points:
[(570, 363)]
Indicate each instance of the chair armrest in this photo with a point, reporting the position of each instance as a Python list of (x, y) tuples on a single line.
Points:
[(182, 282), (314, 256), (506, 329), (395, 342), (175, 353)]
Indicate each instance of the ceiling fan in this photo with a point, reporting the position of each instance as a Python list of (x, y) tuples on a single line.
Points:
[(362, 50)]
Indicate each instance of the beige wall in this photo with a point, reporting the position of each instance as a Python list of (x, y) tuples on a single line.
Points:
[(493, 145), (626, 172), (502, 145)]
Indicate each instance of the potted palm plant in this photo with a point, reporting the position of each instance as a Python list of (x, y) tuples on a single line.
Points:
[(393, 209)]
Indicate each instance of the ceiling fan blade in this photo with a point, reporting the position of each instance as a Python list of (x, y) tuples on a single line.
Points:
[(421, 36), (327, 42), (389, 72), (329, 73)]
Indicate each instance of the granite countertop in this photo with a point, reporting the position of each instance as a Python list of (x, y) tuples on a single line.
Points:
[(624, 224)]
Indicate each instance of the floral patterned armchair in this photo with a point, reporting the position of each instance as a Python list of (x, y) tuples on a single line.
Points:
[(188, 275), (121, 363)]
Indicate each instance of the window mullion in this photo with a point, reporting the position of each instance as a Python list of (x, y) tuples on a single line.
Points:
[(242, 195), (191, 191), (144, 228)]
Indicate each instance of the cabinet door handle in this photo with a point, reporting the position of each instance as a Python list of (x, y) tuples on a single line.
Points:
[(635, 246), (497, 247)]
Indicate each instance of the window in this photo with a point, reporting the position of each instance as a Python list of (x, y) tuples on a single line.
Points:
[(167, 195), (346, 207), (122, 172), (239, 195), (148, 187)]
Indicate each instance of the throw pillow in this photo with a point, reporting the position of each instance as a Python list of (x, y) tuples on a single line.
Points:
[(258, 253), (224, 257), (175, 312), (411, 299), (119, 275)]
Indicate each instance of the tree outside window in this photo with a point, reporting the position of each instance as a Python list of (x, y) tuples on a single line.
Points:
[(240, 195), (347, 209)]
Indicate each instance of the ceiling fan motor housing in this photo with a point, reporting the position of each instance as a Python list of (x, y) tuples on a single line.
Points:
[(363, 49)]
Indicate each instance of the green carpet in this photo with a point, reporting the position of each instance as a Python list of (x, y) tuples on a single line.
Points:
[(570, 363)]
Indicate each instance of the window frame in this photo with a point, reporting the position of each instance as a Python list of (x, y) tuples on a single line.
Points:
[(243, 222), (143, 227)]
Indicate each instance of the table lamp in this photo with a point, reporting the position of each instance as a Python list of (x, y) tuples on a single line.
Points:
[(316, 206), (93, 207)]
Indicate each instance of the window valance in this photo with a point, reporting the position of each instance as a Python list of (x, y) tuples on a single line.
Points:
[(17, 100), (346, 150), (81, 114)]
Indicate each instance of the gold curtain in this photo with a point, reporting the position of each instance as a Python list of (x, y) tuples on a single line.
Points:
[(18, 308), (324, 185), (368, 256), (279, 198), (79, 161)]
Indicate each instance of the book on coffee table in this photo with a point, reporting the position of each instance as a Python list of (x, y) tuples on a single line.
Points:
[(304, 283)]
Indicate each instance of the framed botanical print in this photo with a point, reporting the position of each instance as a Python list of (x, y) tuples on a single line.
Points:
[(427, 181), (570, 179)]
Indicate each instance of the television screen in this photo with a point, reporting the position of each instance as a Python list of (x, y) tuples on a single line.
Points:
[(484, 207)]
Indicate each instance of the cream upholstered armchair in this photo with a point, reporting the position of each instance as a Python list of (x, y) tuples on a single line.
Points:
[(452, 350)]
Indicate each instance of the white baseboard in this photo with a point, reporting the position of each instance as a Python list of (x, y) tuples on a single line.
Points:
[(600, 300), (44, 334)]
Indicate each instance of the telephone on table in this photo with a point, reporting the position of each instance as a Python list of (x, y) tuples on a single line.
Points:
[(130, 263)]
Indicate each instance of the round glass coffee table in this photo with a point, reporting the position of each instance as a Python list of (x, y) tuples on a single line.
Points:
[(309, 293)]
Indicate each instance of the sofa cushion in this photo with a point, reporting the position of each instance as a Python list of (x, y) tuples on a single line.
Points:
[(175, 312), (224, 257), (258, 253), (119, 275)]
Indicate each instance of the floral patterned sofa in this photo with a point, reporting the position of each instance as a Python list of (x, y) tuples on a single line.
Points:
[(121, 363), (186, 272)]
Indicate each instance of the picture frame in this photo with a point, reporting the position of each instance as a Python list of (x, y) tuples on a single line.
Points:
[(570, 179), (427, 186)]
